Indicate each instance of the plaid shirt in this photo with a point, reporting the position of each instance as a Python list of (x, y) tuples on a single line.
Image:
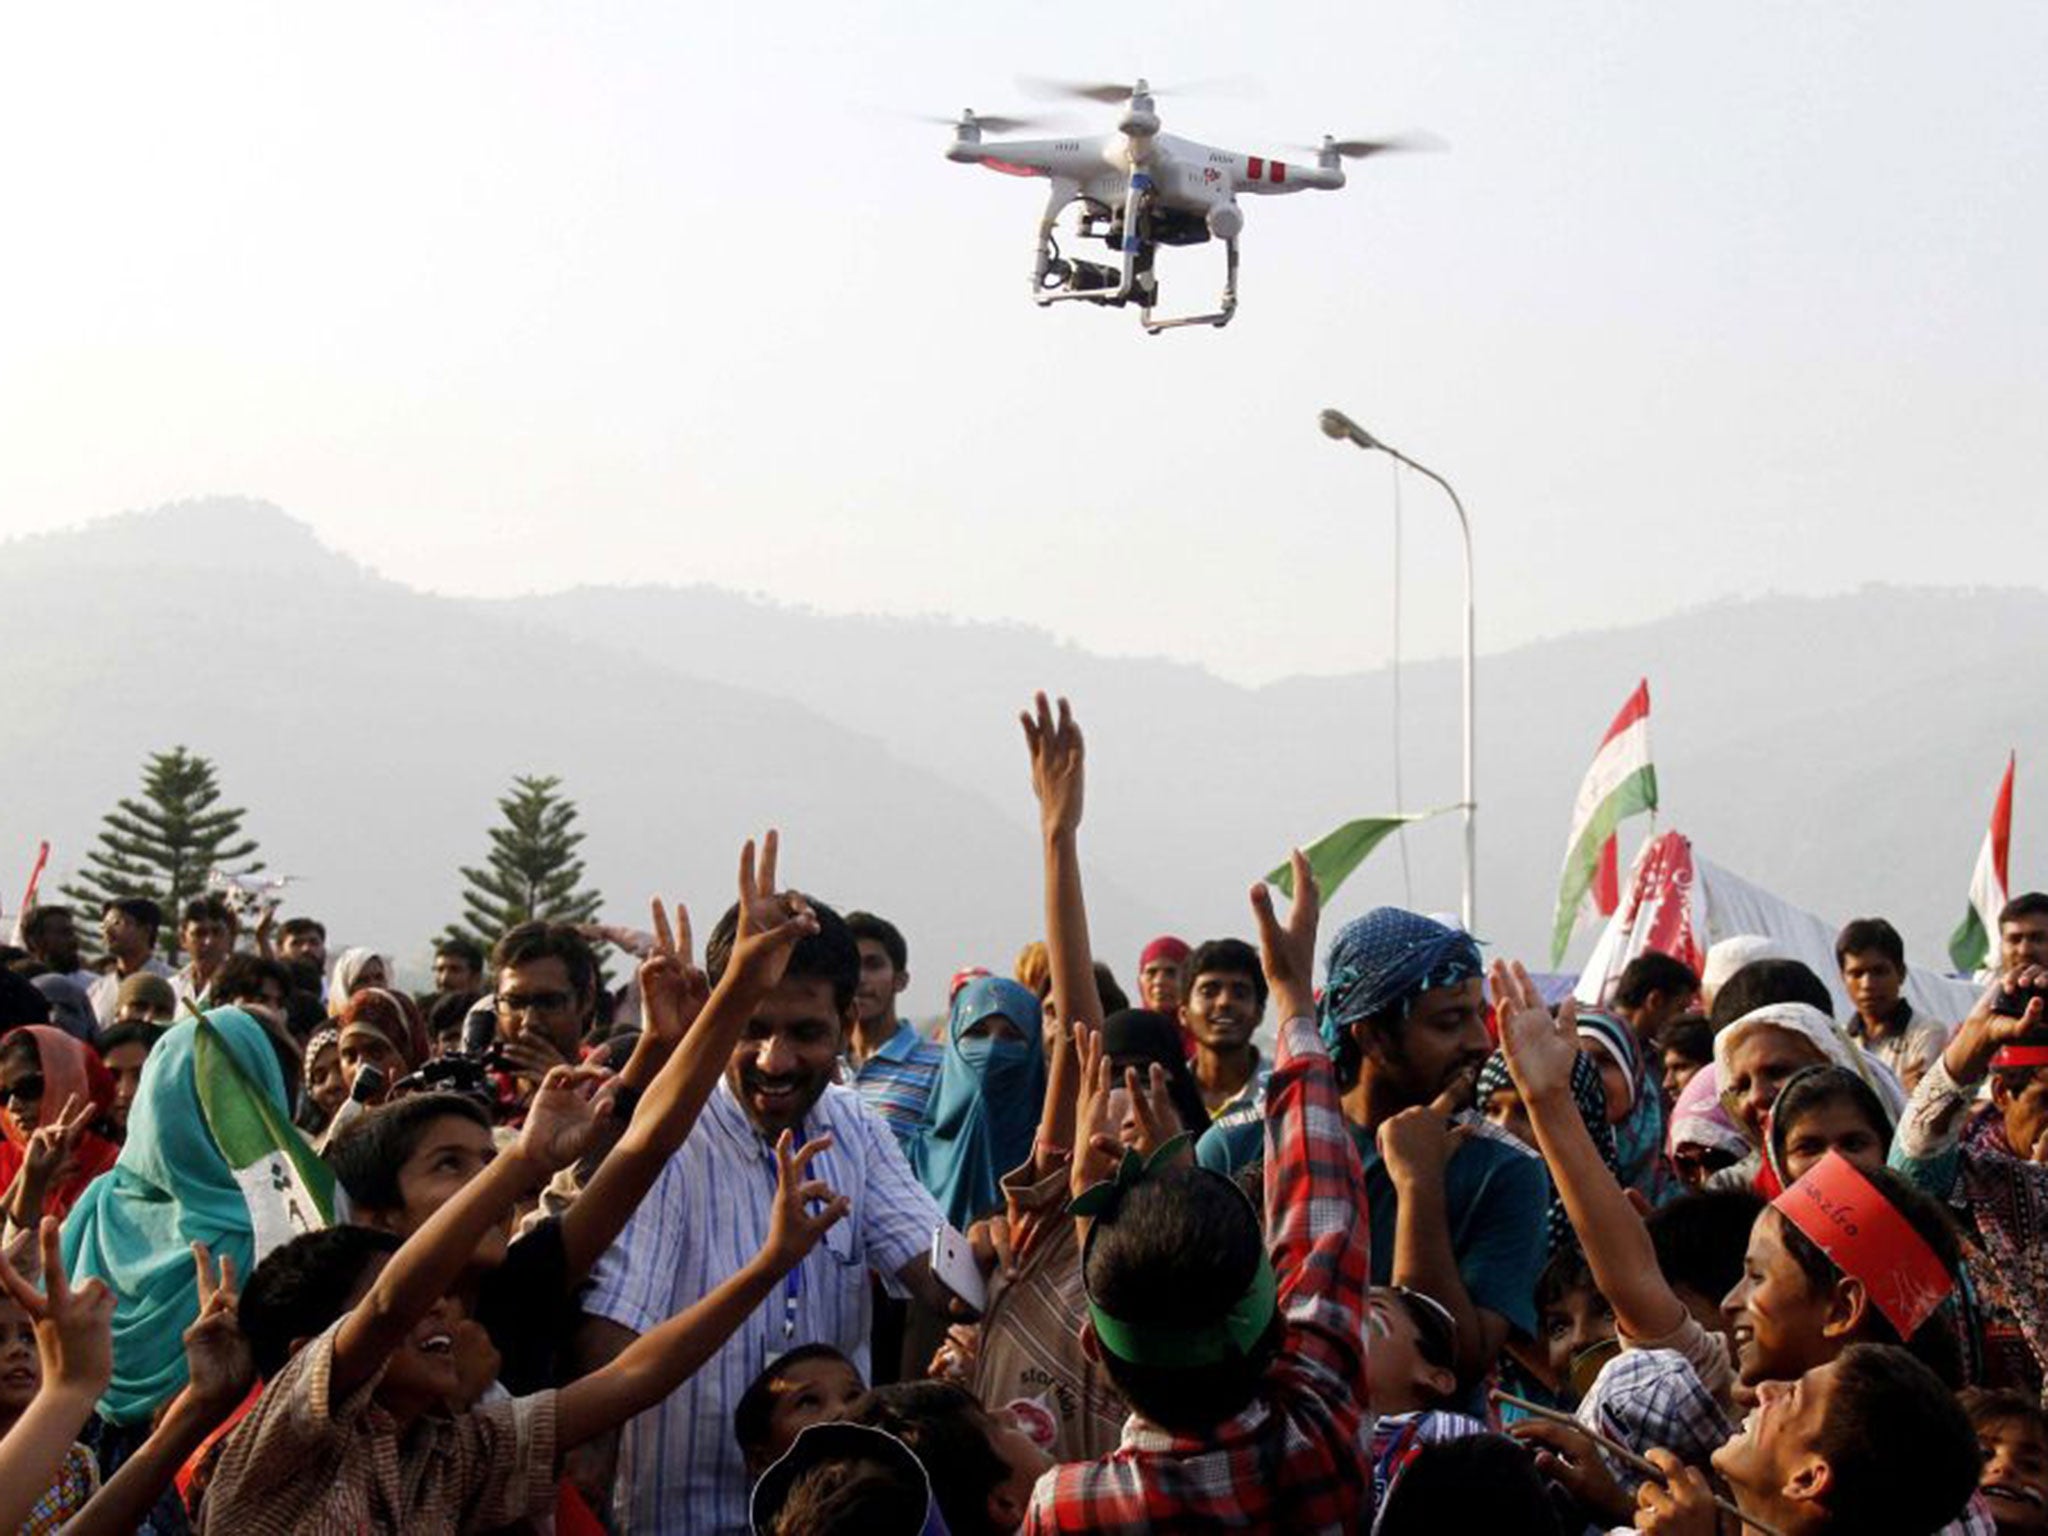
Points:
[(1299, 1458)]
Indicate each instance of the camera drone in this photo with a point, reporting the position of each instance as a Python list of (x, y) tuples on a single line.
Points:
[(1140, 189)]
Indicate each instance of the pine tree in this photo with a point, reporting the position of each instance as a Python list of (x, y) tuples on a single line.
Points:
[(162, 845), (533, 871)]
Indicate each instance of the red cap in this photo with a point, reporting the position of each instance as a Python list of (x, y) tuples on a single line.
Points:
[(1849, 1219), (2021, 1054)]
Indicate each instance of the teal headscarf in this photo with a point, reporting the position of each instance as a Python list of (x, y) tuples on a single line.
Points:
[(135, 1225), (985, 1106)]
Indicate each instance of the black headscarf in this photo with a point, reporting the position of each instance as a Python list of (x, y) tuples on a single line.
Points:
[(1137, 1037)]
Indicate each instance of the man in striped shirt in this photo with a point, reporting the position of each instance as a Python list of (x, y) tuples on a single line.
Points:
[(680, 1468), (889, 1062)]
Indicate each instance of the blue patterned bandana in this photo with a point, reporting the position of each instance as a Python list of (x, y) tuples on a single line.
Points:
[(1386, 959)]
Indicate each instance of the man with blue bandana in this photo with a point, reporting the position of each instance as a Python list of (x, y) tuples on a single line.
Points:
[(1456, 1214)]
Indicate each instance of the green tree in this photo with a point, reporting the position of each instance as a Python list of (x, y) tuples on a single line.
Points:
[(162, 844), (533, 871)]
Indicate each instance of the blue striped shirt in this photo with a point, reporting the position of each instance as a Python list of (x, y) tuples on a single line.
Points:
[(897, 1080), (680, 1469)]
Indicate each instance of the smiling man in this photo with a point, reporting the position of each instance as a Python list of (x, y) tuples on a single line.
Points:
[(1220, 1009), (680, 1470), (1461, 1221)]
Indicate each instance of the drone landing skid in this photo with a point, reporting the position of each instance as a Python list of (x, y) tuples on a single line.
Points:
[(1054, 278)]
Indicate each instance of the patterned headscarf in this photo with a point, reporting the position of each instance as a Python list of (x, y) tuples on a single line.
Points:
[(1589, 1098), (1384, 960)]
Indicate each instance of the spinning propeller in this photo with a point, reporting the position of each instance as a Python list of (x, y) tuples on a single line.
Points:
[(989, 124), (1358, 149), (1116, 93)]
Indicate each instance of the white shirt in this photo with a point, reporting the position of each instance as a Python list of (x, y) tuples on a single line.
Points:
[(680, 1470), (106, 989)]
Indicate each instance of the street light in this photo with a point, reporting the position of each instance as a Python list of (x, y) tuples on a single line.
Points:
[(1338, 426)]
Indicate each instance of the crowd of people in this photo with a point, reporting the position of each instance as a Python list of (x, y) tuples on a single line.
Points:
[(734, 1246)]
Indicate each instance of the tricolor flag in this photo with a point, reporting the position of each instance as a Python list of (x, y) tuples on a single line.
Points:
[(288, 1188), (1970, 946), (1620, 783)]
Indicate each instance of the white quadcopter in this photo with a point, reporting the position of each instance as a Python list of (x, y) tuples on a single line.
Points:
[(1140, 189)]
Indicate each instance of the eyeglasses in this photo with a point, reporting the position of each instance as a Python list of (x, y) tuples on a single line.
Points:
[(29, 1087), (534, 1002)]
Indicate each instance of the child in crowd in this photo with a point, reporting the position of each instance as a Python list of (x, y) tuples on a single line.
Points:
[(2012, 1431), (21, 1378), (353, 1333), (811, 1384), (1576, 1322), (982, 1465), (1822, 1110)]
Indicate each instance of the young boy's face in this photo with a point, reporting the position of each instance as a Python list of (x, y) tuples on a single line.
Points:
[(451, 1151), (1573, 1323), (1403, 1381), (1505, 1109), (809, 1392), (424, 1373), (21, 1368), (1026, 1464), (2015, 1480)]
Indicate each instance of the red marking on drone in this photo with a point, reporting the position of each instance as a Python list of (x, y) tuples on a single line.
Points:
[(1279, 172), (1254, 167), (1008, 169)]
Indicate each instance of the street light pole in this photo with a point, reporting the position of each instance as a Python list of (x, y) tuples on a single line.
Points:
[(1342, 428)]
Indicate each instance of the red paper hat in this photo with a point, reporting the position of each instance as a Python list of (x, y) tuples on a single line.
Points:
[(1848, 1218), (2029, 1053)]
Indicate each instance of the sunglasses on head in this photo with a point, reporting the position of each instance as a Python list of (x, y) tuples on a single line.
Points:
[(29, 1087)]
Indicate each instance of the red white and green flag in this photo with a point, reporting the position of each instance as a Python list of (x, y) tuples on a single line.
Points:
[(1970, 946), (286, 1186), (1621, 783)]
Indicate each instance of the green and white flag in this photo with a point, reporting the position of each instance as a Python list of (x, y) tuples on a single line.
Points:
[(288, 1188), (1620, 783), (1333, 857), (1973, 946)]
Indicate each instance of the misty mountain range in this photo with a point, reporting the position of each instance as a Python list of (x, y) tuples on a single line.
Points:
[(1842, 751)]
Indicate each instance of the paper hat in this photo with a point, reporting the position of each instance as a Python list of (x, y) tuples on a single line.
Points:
[(2021, 1054), (1849, 1219)]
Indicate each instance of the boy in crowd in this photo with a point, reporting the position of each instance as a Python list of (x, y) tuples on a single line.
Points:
[(206, 932), (1872, 959), (892, 1065), (1246, 1375), (1222, 1004), (128, 929), (354, 1335), (2012, 1433), (811, 1384)]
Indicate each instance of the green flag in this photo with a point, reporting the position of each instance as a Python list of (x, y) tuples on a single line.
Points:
[(288, 1188), (1331, 859)]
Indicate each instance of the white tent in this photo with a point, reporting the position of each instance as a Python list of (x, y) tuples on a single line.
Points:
[(1683, 905)]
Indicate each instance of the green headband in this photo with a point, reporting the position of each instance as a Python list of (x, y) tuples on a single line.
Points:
[(1167, 1344)]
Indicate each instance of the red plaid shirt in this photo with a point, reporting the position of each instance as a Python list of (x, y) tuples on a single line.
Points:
[(1298, 1458)]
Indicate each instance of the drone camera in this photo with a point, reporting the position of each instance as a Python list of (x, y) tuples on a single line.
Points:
[(1092, 276)]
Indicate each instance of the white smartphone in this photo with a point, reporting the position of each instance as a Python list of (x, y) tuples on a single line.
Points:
[(953, 1262)]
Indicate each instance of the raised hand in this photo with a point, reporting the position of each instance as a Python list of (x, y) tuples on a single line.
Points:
[(1058, 762), (217, 1354), (562, 1121), (51, 1149), (1097, 1151), (794, 1228), (74, 1328), (1979, 1037), (1682, 1505), (771, 922), (1156, 1121), (1288, 950), (1540, 1050), (673, 988)]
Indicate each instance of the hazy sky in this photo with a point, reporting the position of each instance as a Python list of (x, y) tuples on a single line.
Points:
[(1703, 300)]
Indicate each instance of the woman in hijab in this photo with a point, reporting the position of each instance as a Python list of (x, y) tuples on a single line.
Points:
[(171, 1187), (1759, 1052), (382, 1029), (355, 969), (41, 1070), (985, 1105), (1704, 1141)]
